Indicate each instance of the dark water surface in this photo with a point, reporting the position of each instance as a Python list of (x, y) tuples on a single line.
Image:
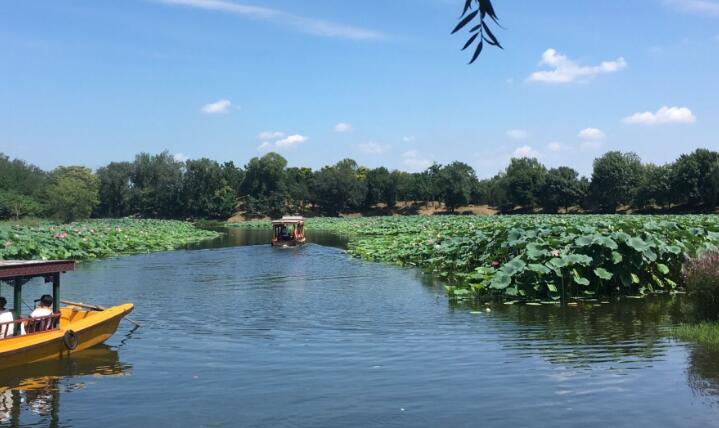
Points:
[(256, 336)]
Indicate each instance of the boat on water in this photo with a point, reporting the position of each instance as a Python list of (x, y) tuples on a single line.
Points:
[(289, 231), (66, 331)]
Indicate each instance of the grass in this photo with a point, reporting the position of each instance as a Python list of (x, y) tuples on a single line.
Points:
[(706, 333)]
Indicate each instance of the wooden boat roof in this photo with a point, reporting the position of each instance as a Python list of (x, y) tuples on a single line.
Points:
[(289, 220), (30, 268)]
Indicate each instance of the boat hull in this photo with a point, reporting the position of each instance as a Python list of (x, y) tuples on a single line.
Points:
[(291, 243), (90, 328)]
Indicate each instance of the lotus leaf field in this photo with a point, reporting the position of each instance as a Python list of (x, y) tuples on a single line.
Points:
[(96, 238), (535, 257)]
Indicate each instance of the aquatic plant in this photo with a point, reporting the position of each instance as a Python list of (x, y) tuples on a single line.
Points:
[(535, 257), (96, 238), (701, 276), (706, 333)]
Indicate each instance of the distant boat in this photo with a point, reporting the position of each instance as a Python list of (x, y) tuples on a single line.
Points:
[(67, 330), (289, 231)]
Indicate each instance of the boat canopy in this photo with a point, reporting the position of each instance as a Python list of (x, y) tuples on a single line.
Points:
[(10, 269), (18, 272), (289, 220)]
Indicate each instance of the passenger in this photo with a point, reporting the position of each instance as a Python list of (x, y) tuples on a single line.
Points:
[(6, 330), (44, 309)]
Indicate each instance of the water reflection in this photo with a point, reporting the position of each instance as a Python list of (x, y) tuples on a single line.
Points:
[(703, 373), (235, 237), (623, 331), (30, 395)]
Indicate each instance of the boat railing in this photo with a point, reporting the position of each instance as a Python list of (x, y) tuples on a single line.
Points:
[(25, 326)]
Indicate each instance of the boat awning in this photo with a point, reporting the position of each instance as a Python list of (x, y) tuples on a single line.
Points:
[(32, 268), (289, 220)]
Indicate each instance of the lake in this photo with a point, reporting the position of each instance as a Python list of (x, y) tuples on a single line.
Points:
[(236, 334)]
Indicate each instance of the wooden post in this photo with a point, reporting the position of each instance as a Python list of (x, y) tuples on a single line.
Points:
[(56, 292), (17, 301)]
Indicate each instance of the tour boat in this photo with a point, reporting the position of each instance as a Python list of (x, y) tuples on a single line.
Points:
[(68, 330), (288, 231)]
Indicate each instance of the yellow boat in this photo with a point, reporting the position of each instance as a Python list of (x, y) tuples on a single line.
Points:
[(68, 330)]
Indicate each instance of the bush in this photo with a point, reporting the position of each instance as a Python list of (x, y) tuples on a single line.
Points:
[(701, 276)]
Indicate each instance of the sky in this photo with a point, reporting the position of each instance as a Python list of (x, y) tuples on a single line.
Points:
[(87, 82)]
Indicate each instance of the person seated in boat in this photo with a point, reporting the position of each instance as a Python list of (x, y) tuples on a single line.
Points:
[(44, 309), (284, 234), (6, 330)]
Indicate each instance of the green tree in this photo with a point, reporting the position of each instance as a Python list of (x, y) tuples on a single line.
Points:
[(562, 189), (264, 189), (299, 188), (524, 180), (157, 185), (425, 185), (654, 187), (73, 194), (16, 205), (615, 179), (691, 178), (339, 188), (115, 180), (22, 188), (234, 176), (455, 183), (378, 181), (206, 192)]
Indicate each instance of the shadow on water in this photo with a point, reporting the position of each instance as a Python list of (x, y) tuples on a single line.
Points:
[(31, 395)]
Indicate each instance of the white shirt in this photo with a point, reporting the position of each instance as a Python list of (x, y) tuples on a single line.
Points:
[(6, 330), (41, 312)]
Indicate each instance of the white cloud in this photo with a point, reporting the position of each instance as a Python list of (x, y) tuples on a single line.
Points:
[(180, 157), (373, 148), (556, 146), (409, 139), (517, 134), (313, 26), (413, 161), (275, 140), (704, 7), (663, 115), (291, 141), (343, 127), (220, 106), (592, 134), (525, 152), (565, 70), (270, 135)]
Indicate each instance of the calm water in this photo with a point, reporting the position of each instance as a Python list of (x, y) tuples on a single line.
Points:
[(256, 336)]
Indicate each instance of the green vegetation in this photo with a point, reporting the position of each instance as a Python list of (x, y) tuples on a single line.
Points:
[(706, 333), (161, 186), (535, 257), (94, 239), (701, 276)]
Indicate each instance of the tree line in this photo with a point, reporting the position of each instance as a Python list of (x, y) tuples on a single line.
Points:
[(161, 186)]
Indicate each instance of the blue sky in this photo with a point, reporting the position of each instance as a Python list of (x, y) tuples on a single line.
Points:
[(88, 82)]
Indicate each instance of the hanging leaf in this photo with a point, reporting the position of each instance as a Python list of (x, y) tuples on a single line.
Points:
[(477, 51), (466, 20), (470, 41)]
